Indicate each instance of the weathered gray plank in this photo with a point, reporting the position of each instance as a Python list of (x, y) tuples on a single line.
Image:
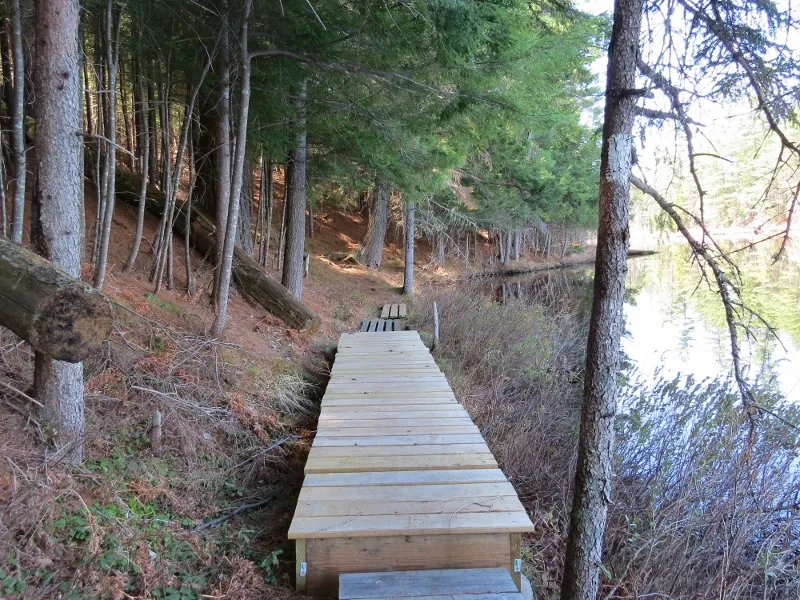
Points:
[(416, 584)]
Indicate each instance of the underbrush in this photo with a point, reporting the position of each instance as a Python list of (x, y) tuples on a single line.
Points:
[(706, 500), (518, 371), (143, 519)]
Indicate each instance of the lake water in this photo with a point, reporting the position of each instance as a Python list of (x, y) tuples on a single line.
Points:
[(675, 323)]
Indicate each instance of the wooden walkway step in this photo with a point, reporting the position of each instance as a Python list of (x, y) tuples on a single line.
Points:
[(399, 478), (393, 311), (441, 584), (380, 325)]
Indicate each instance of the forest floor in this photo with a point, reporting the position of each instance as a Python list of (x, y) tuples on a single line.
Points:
[(239, 414)]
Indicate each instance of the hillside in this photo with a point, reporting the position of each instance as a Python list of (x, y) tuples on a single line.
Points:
[(238, 414)]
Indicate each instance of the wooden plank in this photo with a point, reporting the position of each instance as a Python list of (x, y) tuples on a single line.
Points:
[(357, 464), (393, 311), (375, 387), (405, 478), (300, 558), (351, 401), (390, 360), (372, 526), (391, 395), (348, 508), (432, 449), (395, 431), (394, 410), (364, 325), (385, 311), (354, 335), (362, 423), (381, 343), (378, 377), (402, 311), (503, 596), (428, 583), (387, 371), (330, 414), (409, 493), (399, 440), (328, 558)]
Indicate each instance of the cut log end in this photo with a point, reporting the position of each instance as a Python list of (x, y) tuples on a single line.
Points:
[(59, 315), (73, 325)]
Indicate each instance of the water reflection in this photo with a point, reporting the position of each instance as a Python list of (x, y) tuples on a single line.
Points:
[(675, 323)]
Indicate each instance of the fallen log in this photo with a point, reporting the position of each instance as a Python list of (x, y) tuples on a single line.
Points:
[(59, 315), (248, 274)]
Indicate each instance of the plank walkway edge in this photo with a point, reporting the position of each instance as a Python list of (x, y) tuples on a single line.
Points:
[(399, 479)]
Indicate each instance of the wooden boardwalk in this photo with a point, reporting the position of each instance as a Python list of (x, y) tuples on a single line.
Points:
[(399, 478)]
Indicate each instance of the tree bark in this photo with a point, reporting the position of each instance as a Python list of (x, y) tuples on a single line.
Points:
[(112, 62), (441, 241), (143, 146), (287, 171), (370, 254), (592, 489), (408, 274), (18, 125), (151, 124), (59, 189), (225, 267), (244, 232), (57, 314), (296, 206), (222, 154), (6, 61)]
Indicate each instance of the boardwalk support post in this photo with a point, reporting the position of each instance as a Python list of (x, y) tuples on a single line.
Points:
[(516, 555), (302, 565), (435, 326)]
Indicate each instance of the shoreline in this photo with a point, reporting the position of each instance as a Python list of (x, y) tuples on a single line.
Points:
[(541, 268)]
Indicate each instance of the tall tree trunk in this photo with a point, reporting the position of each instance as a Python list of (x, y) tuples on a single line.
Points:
[(287, 179), (18, 125), (109, 194), (370, 254), (143, 146), (225, 267), (3, 215), (187, 248), (6, 61), (310, 217), (151, 123), (408, 274), (466, 252), (222, 154), (244, 232), (270, 208), (501, 247), (441, 246), (130, 142), (261, 217), (87, 96), (592, 490), (296, 206), (164, 257), (59, 188)]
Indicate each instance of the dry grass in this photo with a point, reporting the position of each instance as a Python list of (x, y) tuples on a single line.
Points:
[(122, 525), (703, 507), (517, 369)]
